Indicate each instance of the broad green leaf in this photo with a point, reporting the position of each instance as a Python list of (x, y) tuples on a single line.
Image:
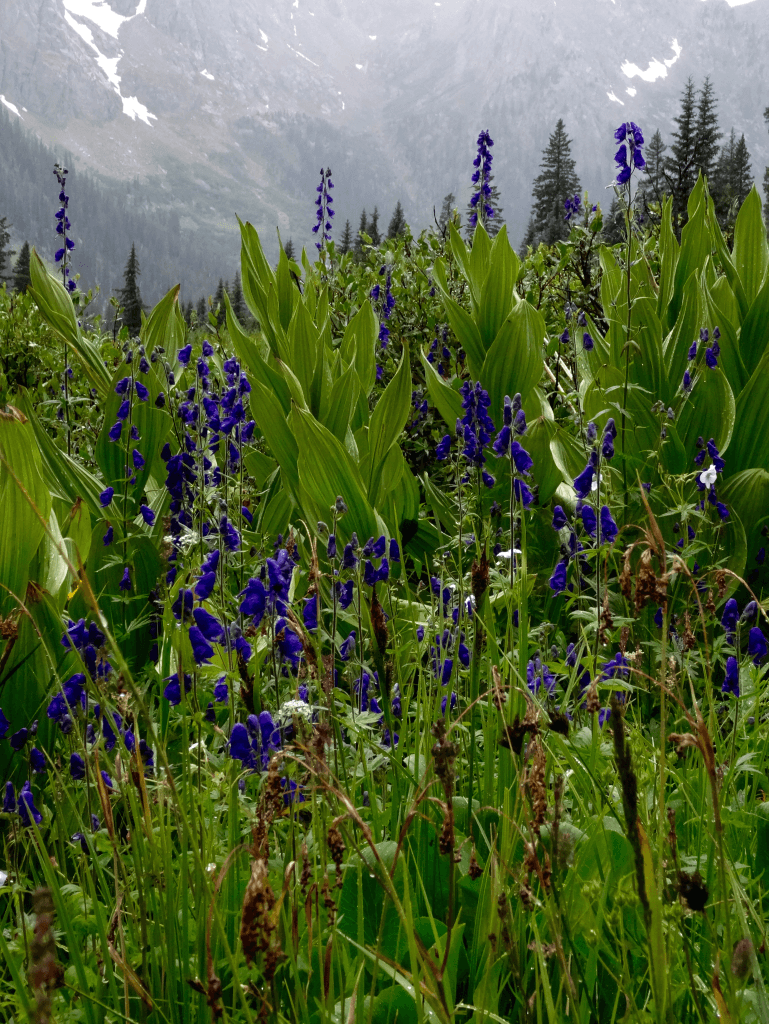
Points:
[(727, 263), (669, 252), (709, 411), (288, 293), (461, 254), (646, 365), (686, 329), (461, 323), (537, 443), (445, 399), (359, 345), (515, 360), (749, 445), (751, 250), (21, 488), (165, 326), (303, 344), (729, 359), (497, 295), (252, 357), (480, 253), (695, 248), (260, 466), (63, 475), (342, 400), (754, 335), (272, 422), (55, 305), (747, 494), (387, 421), (326, 471)]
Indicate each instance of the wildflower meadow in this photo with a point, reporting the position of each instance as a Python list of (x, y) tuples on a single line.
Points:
[(400, 655)]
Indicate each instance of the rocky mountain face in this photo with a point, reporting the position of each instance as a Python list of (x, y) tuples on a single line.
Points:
[(232, 106)]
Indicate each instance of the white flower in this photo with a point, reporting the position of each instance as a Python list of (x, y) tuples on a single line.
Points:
[(507, 554), (708, 477), (295, 707)]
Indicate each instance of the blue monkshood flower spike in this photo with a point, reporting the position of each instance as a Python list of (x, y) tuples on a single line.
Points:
[(589, 519), (147, 515), (522, 493), (331, 549), (138, 459), (583, 484), (184, 354), (202, 651), (9, 799), (4, 724), (76, 767), (347, 648), (106, 496), (587, 341), (731, 683), (125, 583), (205, 586), (172, 691), (37, 760), (221, 691), (115, 432), (730, 616), (443, 449), (208, 625), (395, 551), (141, 391), (19, 739)]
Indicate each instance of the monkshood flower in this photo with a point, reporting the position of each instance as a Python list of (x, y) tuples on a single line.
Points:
[(37, 761), (538, 675), (572, 207), (480, 199), (609, 529), (173, 689), (756, 645), (609, 436), (617, 668), (731, 683), (325, 213), (4, 725), (585, 482), (76, 767), (27, 810), (629, 156), (347, 647), (557, 581), (9, 799), (62, 227), (444, 448), (559, 518)]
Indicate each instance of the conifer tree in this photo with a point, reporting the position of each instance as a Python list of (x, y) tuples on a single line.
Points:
[(373, 228), (530, 238), (362, 230), (345, 243), (557, 182), (614, 224), (188, 310), (732, 179), (707, 130), (238, 302), (219, 302), (653, 184), (289, 250), (397, 225), (448, 213), (5, 252), (21, 278), (766, 177), (201, 310), (130, 296), (680, 165)]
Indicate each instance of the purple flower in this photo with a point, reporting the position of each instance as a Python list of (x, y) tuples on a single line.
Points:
[(522, 492), (482, 179), (310, 613), (27, 809), (173, 690), (710, 358), (609, 528), (589, 519), (254, 601), (443, 449), (587, 342), (583, 484), (347, 647), (4, 724), (138, 459), (202, 651), (731, 683), (730, 617), (208, 625), (756, 645), (114, 434), (19, 739), (557, 581), (221, 691), (37, 760), (147, 515), (125, 583), (106, 496), (9, 799), (183, 355), (559, 518), (76, 767), (141, 391)]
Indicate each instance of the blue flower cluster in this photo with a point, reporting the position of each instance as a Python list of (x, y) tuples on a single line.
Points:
[(325, 212), (62, 227), (482, 180), (382, 297), (629, 156)]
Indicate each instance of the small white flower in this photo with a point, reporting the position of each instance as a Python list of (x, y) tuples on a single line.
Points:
[(507, 554), (296, 707), (210, 868), (3, 877), (708, 477)]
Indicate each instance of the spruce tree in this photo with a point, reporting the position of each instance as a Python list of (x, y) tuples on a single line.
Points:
[(680, 165), (238, 302), (707, 130), (653, 186), (614, 224), (187, 314), (373, 228), (288, 249), (530, 238), (557, 182), (201, 310), (345, 244), (5, 252), (362, 230), (732, 179), (219, 302), (130, 296), (448, 213), (21, 278), (397, 225)]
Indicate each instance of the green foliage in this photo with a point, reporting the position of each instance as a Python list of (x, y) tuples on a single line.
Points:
[(508, 799)]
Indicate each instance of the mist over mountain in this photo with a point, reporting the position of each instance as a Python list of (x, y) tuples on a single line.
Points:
[(212, 109)]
